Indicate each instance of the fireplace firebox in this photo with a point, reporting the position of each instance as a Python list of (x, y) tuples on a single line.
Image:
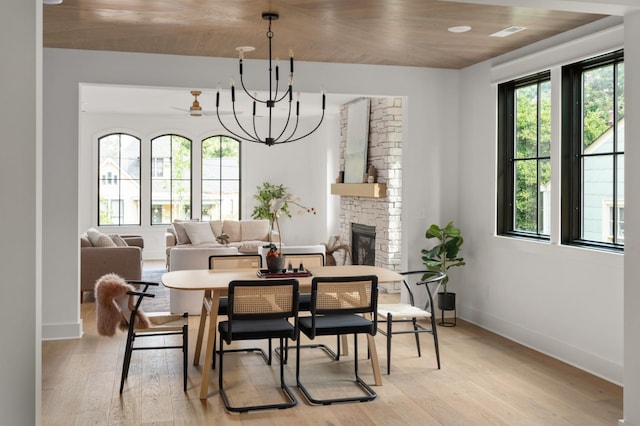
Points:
[(363, 244)]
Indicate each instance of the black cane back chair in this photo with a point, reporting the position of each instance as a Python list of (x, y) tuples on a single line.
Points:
[(232, 261), (259, 309), (340, 306)]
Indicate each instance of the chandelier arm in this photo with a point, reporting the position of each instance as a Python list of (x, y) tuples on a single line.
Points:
[(231, 131), (255, 129), (235, 116), (249, 94), (284, 94), (286, 125), (307, 134)]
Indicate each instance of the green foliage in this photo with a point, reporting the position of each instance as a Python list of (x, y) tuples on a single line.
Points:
[(226, 147), (266, 193), (533, 134), (443, 255)]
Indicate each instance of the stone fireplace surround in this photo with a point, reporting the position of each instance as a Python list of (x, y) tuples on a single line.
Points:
[(385, 153)]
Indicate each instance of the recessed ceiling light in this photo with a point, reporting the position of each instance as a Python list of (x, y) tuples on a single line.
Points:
[(52, 1), (245, 48), (508, 31), (459, 29)]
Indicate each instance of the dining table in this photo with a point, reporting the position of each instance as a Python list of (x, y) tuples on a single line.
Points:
[(215, 283)]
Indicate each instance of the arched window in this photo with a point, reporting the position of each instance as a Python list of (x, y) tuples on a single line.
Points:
[(220, 178), (170, 179), (118, 180)]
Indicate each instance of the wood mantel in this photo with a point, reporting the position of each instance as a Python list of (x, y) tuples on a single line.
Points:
[(372, 190)]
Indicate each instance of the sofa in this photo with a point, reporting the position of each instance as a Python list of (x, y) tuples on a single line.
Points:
[(102, 253), (245, 236)]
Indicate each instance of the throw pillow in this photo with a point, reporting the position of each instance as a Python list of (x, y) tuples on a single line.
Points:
[(199, 232), (118, 240), (98, 239), (255, 230), (84, 241), (233, 230), (181, 233), (216, 227)]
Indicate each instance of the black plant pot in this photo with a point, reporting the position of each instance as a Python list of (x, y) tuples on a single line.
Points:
[(275, 263), (447, 302)]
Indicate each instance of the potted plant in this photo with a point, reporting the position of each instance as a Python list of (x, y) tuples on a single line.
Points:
[(442, 257), (274, 201)]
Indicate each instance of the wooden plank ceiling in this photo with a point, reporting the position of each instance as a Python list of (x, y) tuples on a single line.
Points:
[(382, 32)]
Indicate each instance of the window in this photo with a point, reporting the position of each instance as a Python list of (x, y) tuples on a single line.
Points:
[(593, 152), (118, 180), (171, 187), (157, 167), (524, 152), (220, 178)]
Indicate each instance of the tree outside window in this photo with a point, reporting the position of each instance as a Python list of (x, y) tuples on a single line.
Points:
[(171, 188), (593, 139), (524, 157), (220, 178)]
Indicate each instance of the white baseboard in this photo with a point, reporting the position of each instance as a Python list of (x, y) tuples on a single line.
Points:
[(62, 331), (562, 351)]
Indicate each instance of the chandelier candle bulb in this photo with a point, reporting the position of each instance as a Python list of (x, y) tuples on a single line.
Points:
[(291, 59)]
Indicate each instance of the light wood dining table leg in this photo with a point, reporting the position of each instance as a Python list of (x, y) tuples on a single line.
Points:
[(373, 353), (204, 314), (211, 337)]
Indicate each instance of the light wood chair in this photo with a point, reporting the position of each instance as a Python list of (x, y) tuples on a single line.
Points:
[(118, 305)]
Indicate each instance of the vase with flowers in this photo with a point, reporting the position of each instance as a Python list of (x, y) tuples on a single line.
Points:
[(275, 201)]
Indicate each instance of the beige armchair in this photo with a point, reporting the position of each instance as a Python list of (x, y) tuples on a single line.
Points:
[(95, 262)]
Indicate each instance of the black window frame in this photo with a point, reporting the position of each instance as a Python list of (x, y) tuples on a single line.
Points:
[(170, 179), (571, 157), (506, 154), (117, 180), (239, 180)]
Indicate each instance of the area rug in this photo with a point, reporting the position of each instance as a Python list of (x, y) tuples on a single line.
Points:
[(161, 300)]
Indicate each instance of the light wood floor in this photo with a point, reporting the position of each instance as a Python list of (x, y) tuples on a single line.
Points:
[(485, 379)]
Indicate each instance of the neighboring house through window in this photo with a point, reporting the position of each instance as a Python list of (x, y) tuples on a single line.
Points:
[(592, 146), (170, 187), (220, 178), (118, 180), (593, 152)]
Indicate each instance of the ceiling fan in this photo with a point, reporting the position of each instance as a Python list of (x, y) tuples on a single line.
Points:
[(195, 110)]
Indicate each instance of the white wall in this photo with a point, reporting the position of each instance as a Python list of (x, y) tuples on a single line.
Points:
[(20, 211), (563, 301), (431, 122), (632, 231)]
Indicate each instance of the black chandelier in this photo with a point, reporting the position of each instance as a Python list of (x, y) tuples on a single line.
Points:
[(288, 133)]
